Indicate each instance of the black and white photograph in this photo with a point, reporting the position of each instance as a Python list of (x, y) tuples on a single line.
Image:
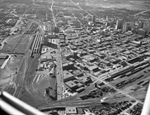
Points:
[(75, 57)]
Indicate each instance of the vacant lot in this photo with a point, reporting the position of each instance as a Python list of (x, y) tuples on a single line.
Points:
[(8, 73), (17, 44)]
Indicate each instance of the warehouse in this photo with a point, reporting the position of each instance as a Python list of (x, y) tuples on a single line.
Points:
[(68, 76)]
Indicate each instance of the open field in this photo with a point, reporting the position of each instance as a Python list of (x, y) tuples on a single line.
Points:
[(22, 46), (9, 73), (16, 44), (41, 83)]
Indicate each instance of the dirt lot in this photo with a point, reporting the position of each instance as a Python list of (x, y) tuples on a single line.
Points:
[(8, 73), (16, 44)]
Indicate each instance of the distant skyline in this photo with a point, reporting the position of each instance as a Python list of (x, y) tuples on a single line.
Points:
[(129, 4)]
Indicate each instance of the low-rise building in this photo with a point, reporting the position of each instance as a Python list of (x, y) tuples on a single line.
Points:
[(89, 58), (78, 73), (68, 76), (72, 85), (85, 80), (80, 89), (67, 66), (3, 56), (71, 110)]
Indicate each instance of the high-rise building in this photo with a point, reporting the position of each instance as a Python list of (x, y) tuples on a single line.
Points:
[(94, 19), (132, 25), (141, 32), (107, 24), (146, 26), (119, 24), (107, 19), (56, 29), (126, 26), (140, 25)]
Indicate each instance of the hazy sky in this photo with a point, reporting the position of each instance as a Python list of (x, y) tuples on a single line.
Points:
[(135, 4)]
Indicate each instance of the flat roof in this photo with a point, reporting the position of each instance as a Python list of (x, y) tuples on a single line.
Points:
[(80, 111), (92, 67), (71, 110), (77, 72), (71, 84), (67, 74), (88, 57), (3, 56)]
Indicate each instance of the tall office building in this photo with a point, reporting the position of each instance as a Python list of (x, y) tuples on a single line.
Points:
[(146, 26), (142, 32), (55, 30), (140, 25), (119, 24), (126, 26), (94, 19)]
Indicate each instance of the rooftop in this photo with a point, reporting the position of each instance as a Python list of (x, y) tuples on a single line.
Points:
[(70, 110)]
